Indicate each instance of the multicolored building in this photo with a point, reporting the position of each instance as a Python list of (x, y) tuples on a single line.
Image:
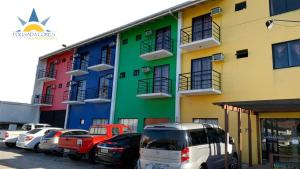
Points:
[(202, 61), (51, 81)]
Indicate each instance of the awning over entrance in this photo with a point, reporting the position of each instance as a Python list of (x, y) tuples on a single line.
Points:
[(253, 107), (260, 106)]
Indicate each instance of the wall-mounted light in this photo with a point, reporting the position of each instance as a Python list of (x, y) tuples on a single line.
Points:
[(270, 23)]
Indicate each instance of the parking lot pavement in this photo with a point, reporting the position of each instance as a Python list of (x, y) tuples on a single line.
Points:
[(22, 159)]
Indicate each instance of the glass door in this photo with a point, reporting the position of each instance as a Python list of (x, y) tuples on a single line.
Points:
[(280, 136), (51, 70), (202, 27), (163, 40), (47, 99), (103, 87), (201, 73), (106, 53), (161, 79), (81, 90)]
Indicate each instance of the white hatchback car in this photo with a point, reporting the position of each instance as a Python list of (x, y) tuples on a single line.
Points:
[(185, 146), (32, 138)]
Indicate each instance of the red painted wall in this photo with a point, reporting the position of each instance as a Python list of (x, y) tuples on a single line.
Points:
[(61, 61)]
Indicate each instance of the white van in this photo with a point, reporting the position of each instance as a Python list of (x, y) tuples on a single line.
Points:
[(185, 146)]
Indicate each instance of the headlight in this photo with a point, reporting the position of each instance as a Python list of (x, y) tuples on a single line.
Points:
[(79, 142)]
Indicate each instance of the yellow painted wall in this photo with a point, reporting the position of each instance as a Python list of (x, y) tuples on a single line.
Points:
[(251, 78)]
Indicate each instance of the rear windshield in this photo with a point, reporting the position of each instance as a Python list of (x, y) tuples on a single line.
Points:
[(73, 133), (26, 127), (50, 134), (34, 131), (98, 131), (164, 139)]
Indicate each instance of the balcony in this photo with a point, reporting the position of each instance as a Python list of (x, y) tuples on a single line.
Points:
[(154, 88), (101, 95), (46, 75), (101, 64), (74, 97), (192, 39), (43, 100), (77, 67), (200, 83), (154, 49)]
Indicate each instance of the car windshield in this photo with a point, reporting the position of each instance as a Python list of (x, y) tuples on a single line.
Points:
[(50, 134), (164, 139), (26, 127), (33, 131), (98, 131)]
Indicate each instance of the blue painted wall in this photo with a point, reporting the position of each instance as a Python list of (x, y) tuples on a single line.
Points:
[(90, 111)]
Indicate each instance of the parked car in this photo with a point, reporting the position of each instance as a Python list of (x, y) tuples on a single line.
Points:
[(10, 137), (49, 142), (120, 151), (32, 138), (185, 146), (77, 147)]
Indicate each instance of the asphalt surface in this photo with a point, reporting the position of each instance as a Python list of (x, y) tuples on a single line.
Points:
[(11, 158)]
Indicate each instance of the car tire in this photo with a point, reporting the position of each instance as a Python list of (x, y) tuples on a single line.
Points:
[(37, 148), (10, 145), (203, 166), (92, 156), (74, 157), (234, 162)]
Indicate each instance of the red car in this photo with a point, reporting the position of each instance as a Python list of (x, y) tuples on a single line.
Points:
[(77, 147)]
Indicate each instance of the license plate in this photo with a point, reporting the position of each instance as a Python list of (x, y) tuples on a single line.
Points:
[(104, 150), (66, 150)]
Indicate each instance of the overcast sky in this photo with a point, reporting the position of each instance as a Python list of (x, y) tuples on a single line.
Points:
[(72, 21)]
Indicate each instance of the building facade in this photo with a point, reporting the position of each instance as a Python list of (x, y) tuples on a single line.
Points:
[(90, 92), (147, 74), (51, 82), (228, 55)]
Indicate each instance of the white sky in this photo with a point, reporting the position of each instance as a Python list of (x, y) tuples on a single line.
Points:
[(72, 21)]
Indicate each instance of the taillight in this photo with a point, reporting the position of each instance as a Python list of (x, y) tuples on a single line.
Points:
[(28, 138), (185, 155), (6, 134), (57, 134), (117, 150)]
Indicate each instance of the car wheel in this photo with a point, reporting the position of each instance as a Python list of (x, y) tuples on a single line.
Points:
[(75, 157), (203, 166), (234, 162), (92, 156), (10, 145), (37, 148)]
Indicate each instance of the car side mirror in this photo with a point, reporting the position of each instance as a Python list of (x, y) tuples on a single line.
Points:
[(231, 140)]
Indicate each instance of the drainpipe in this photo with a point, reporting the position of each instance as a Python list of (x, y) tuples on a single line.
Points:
[(178, 69), (115, 81), (68, 108)]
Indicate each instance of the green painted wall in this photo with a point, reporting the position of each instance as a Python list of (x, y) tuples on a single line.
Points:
[(127, 104)]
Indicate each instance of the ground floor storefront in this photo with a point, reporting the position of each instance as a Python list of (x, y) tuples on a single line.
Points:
[(55, 118), (265, 131)]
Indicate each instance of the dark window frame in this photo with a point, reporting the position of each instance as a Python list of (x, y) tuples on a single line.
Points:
[(240, 6), (288, 52), (285, 11)]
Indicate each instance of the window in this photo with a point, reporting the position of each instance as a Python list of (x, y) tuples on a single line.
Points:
[(132, 123), (286, 54), (202, 27), (122, 75), (125, 42), (242, 53), (60, 85), (98, 131), (136, 72), (100, 121), (213, 135), (33, 131), (115, 131), (81, 121), (138, 37), (206, 120), (63, 60), (198, 137), (221, 135), (282, 6), (106, 55), (240, 6), (68, 84)]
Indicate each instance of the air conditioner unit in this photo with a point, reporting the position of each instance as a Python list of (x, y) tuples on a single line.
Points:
[(146, 69), (53, 86), (215, 11), (217, 57), (148, 32), (57, 61)]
